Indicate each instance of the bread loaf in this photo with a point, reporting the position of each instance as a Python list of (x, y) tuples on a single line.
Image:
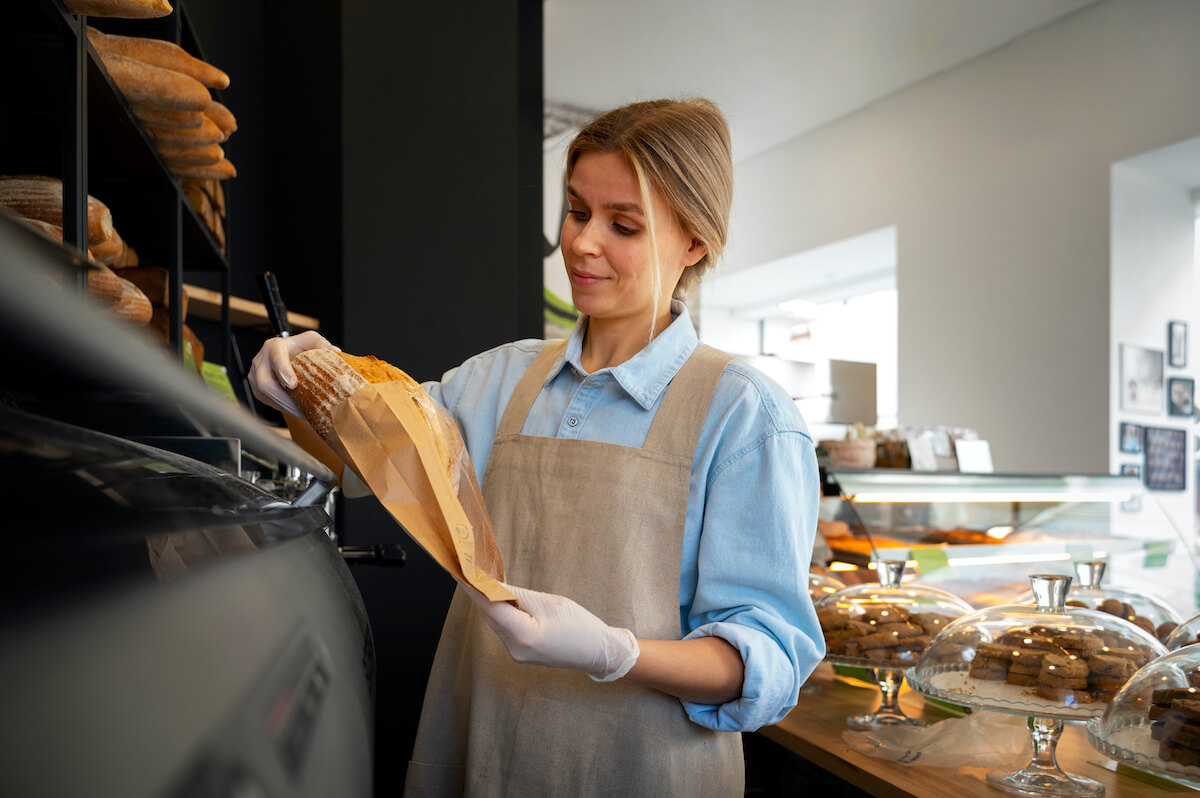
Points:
[(216, 194), (127, 258), (50, 231), (155, 87), (325, 378), (222, 117), (104, 286), (159, 53), (133, 305), (108, 252), (221, 170), (41, 198), (198, 198), (207, 133), (155, 283), (205, 155), (126, 9), (169, 120)]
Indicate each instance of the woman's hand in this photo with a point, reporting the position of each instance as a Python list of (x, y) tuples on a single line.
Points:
[(547, 629), (271, 373)]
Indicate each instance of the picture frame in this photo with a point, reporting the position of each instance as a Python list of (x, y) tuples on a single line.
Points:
[(1129, 438), (1181, 397), (1141, 379), (1177, 344), (1131, 470), (1165, 465)]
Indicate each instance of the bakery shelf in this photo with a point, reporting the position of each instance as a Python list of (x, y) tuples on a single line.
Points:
[(205, 303)]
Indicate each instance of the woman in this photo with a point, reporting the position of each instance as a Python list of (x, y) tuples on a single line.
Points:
[(669, 491)]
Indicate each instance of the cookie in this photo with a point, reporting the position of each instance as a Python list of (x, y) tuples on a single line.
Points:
[(885, 613), (917, 643), (989, 674), (1110, 665), (900, 629), (1064, 695), (1164, 696), (1025, 669), (1026, 640), (994, 651), (1022, 679), (930, 622), (989, 662), (1108, 684), (876, 640), (1073, 682), (1031, 657), (1062, 665), (1084, 643), (1182, 755)]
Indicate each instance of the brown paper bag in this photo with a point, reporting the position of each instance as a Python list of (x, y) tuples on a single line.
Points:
[(381, 434)]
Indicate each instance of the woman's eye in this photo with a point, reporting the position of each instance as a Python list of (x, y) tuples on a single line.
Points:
[(623, 230), (580, 216)]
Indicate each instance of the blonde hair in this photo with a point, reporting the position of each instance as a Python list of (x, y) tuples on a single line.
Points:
[(680, 148)]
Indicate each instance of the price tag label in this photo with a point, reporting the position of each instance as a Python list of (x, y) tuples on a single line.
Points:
[(217, 379), (930, 560)]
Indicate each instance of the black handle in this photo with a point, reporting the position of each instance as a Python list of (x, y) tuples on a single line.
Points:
[(387, 554), (276, 310)]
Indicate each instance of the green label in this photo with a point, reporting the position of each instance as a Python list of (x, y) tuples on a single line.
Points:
[(930, 559), (1156, 552), (218, 380)]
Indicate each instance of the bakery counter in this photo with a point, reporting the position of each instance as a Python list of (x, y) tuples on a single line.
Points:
[(813, 731)]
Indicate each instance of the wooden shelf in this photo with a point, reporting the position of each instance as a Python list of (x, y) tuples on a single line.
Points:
[(205, 303)]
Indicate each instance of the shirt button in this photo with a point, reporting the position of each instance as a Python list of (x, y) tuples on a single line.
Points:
[(573, 421)]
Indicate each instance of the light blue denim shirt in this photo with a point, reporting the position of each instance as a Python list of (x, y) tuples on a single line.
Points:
[(752, 507)]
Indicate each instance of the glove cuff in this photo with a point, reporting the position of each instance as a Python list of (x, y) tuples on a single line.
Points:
[(632, 651)]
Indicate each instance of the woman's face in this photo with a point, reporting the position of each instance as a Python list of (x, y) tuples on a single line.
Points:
[(606, 243)]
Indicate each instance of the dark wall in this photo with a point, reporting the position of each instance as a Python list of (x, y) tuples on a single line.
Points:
[(389, 159), (442, 255)]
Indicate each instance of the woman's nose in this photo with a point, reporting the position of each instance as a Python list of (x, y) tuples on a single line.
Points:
[(586, 242)]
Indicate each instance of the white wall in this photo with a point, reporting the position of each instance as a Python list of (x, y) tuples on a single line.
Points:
[(996, 175), (1153, 281)]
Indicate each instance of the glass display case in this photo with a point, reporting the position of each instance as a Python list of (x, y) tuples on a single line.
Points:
[(981, 536)]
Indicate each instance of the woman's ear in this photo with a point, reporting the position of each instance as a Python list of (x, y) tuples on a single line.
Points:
[(695, 251)]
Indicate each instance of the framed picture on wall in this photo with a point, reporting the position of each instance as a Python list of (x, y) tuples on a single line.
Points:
[(1130, 437), (1165, 462), (1131, 470), (1181, 396), (1177, 344), (1141, 379)]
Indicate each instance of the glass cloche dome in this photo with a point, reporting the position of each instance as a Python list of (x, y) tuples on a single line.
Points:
[(885, 627), (1048, 661), (1141, 609), (822, 585), (1185, 634)]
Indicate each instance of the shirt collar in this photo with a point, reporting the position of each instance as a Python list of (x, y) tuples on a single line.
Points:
[(645, 375)]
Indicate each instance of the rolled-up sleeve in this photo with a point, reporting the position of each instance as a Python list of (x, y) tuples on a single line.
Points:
[(755, 548)]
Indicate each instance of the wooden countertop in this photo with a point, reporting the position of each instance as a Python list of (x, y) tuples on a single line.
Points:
[(814, 729)]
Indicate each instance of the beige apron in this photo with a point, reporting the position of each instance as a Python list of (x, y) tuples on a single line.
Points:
[(603, 525)]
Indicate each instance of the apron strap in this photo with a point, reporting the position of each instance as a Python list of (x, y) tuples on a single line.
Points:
[(530, 385), (677, 424)]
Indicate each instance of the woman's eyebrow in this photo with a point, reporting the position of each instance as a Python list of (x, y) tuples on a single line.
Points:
[(622, 207)]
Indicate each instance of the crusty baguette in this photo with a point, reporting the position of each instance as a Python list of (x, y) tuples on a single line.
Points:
[(128, 258), (222, 117), (204, 155), (198, 198), (169, 120), (104, 286), (126, 9), (107, 252), (159, 53), (37, 197), (133, 305), (50, 231), (155, 87), (207, 133), (325, 378), (221, 170)]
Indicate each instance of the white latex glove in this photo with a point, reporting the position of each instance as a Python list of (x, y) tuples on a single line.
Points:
[(271, 370), (547, 629)]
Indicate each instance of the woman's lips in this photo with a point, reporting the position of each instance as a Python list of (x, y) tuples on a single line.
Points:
[(585, 279)]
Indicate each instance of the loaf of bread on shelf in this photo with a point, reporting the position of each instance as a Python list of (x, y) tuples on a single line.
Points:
[(50, 231), (126, 9), (128, 258), (104, 286), (222, 117), (108, 252), (198, 198), (169, 120), (325, 378), (221, 170), (207, 133), (159, 53), (216, 194), (133, 306), (37, 197), (155, 87), (203, 155), (155, 283)]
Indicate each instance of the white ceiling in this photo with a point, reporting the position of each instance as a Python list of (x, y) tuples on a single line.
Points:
[(778, 68)]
